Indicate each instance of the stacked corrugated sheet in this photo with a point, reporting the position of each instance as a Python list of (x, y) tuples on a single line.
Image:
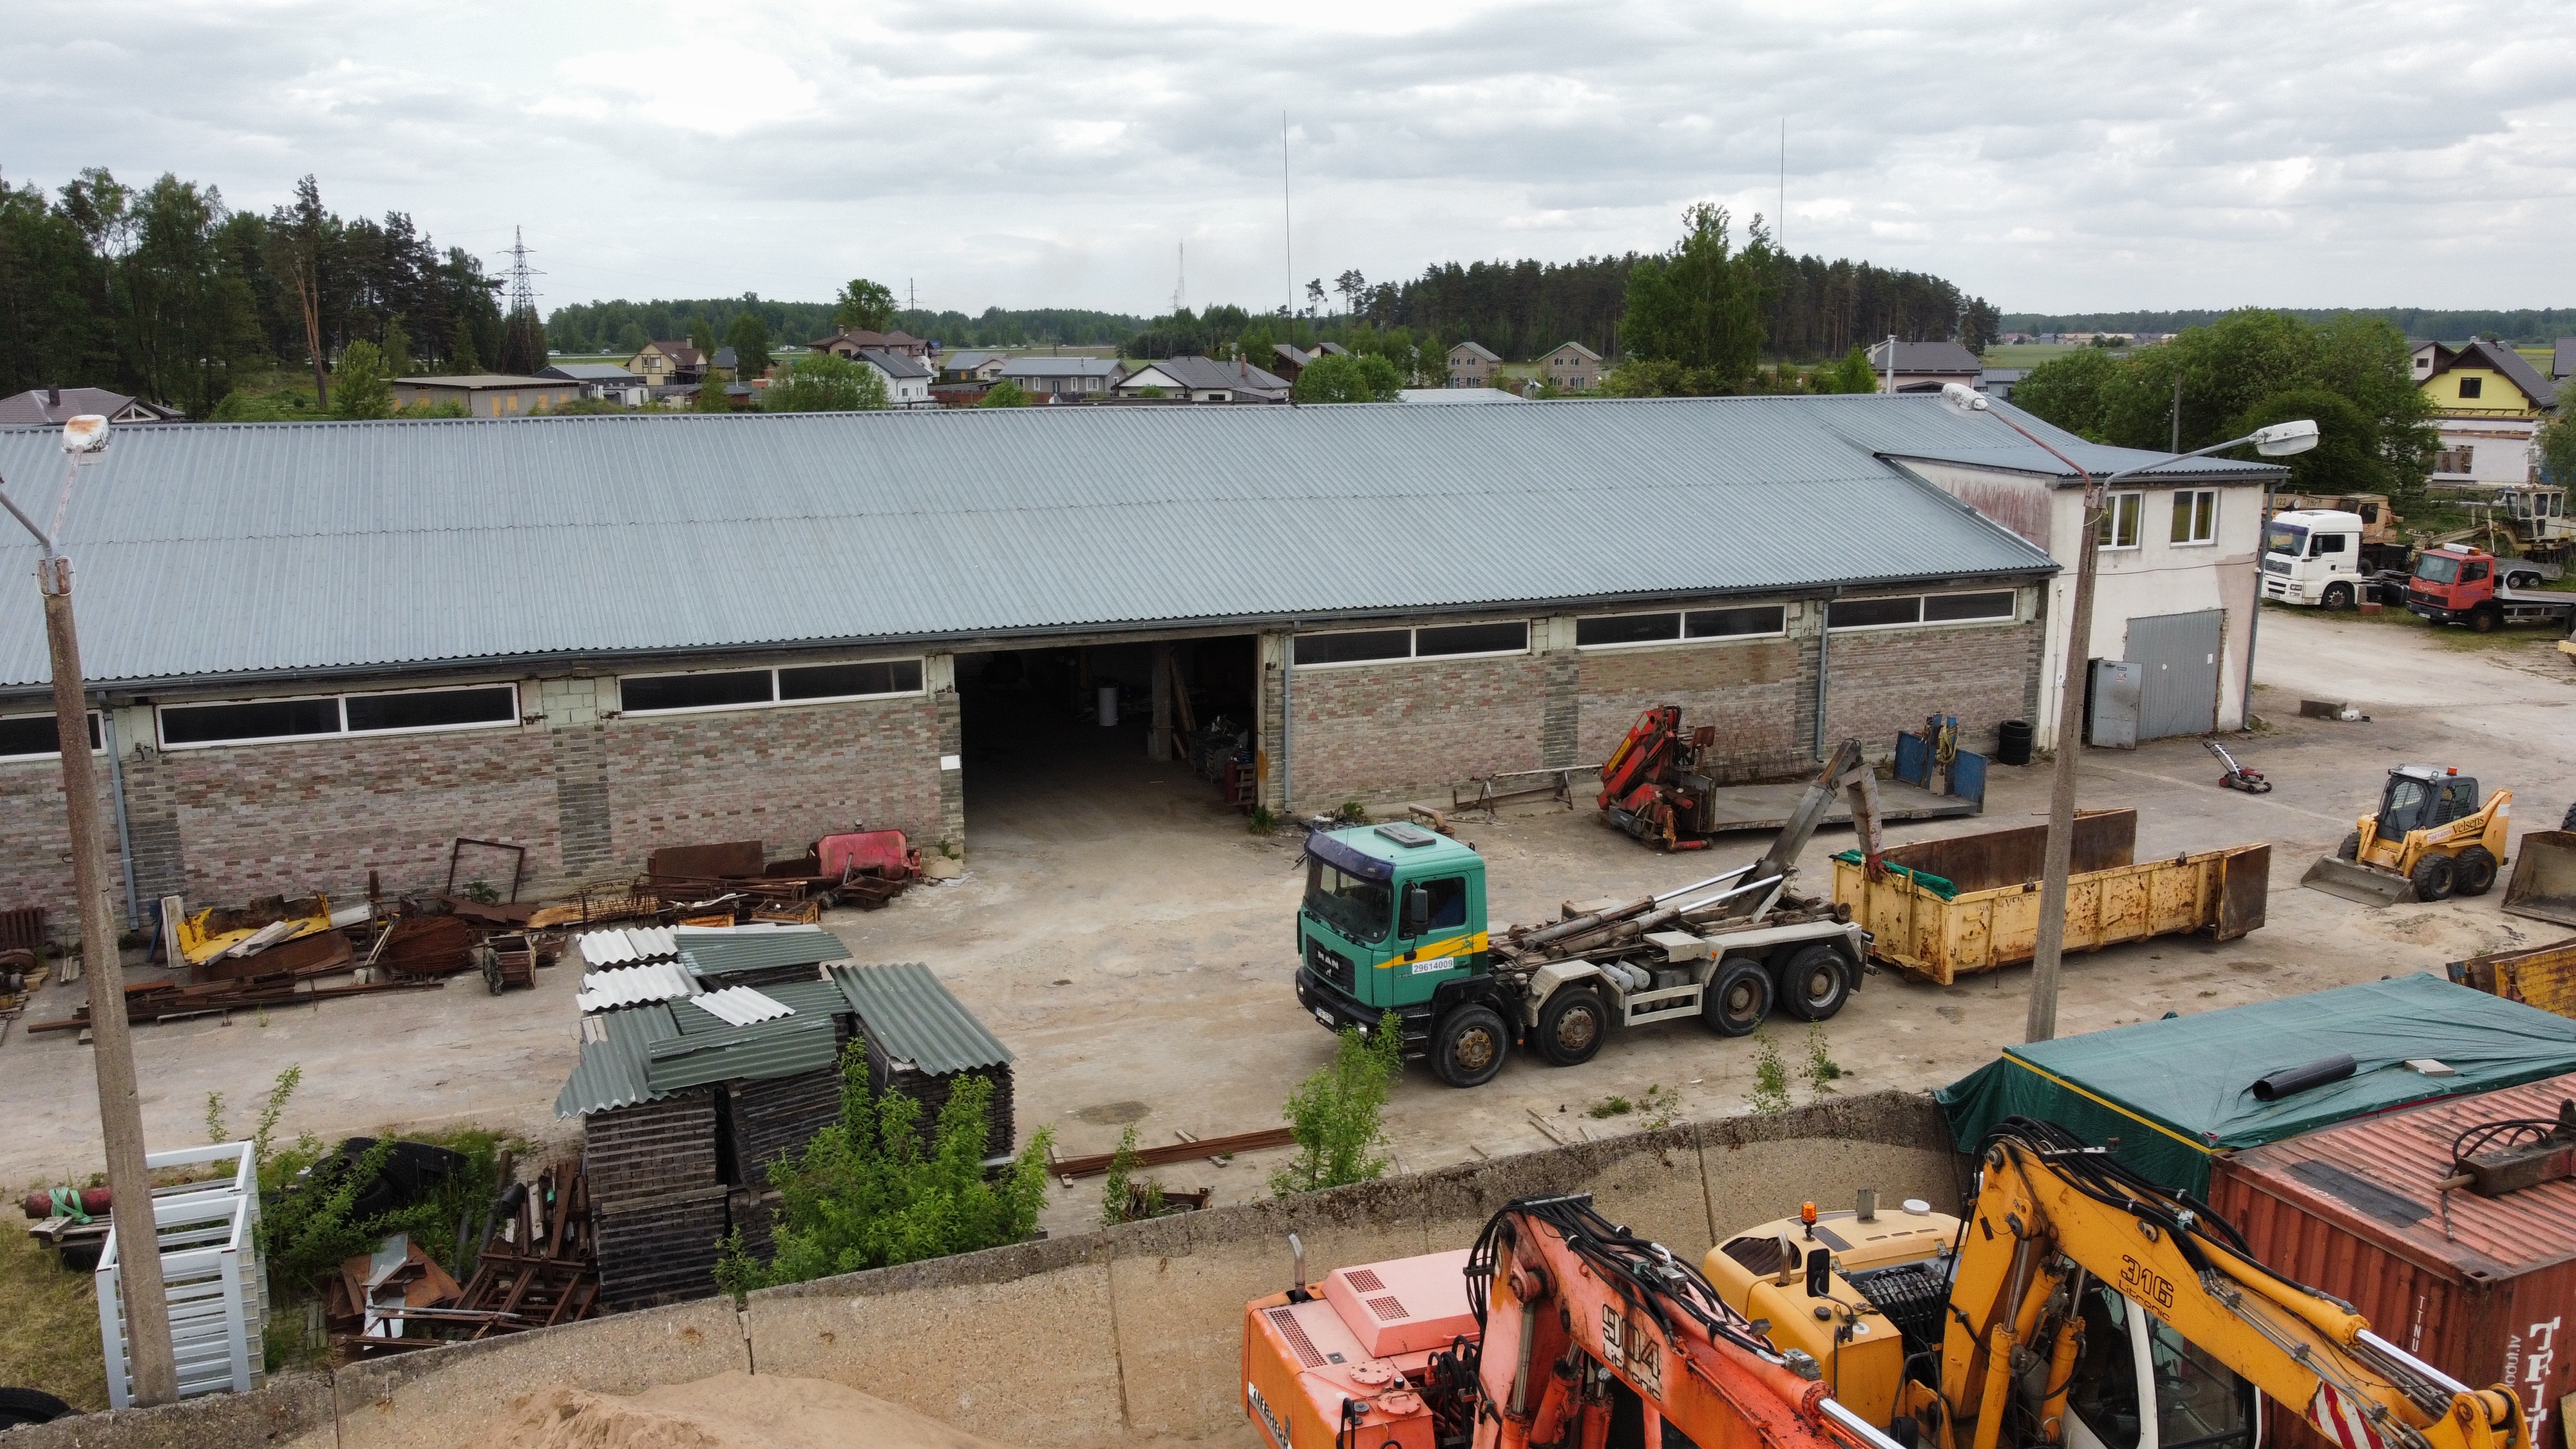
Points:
[(740, 1006), (626, 946), (922, 1041), (636, 986)]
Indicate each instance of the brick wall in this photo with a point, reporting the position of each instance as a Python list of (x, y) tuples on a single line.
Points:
[(1411, 728), (1760, 694), (35, 843), (1884, 681), (782, 776)]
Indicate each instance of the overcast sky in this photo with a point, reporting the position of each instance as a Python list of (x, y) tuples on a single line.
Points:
[(2052, 157)]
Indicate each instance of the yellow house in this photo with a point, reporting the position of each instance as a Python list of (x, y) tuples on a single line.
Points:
[(486, 395), (666, 364), (2487, 405)]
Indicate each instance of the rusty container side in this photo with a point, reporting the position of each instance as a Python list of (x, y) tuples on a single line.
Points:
[(2482, 1288), (2541, 976)]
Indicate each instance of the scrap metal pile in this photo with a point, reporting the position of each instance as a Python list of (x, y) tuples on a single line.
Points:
[(538, 1266)]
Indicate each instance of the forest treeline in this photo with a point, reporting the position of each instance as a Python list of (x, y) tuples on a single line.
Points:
[(608, 328), (2530, 326)]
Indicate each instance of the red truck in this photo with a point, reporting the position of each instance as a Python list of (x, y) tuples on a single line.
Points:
[(2459, 585)]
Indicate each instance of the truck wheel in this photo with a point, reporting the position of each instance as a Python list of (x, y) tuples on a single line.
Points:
[(1815, 982), (1570, 1027), (2351, 847), (1468, 1046), (2484, 618), (1738, 997), (31, 1406), (2524, 579), (2475, 872), (2569, 821), (2433, 877), (2338, 596)]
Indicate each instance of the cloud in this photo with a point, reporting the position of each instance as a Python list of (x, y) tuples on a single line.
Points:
[(2085, 155)]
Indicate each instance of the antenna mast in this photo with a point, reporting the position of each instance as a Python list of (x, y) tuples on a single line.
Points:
[(1287, 237)]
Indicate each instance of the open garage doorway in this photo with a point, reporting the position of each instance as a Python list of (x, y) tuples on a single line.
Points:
[(1060, 742)]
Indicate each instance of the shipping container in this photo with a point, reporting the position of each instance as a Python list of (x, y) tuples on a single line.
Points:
[(2483, 1289), (2542, 976), (1970, 903)]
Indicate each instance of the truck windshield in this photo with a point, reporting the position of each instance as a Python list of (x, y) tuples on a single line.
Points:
[(2435, 569), (2285, 538), (1360, 909)]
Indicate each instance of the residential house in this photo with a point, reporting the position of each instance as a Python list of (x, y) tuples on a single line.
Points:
[(1572, 367), (664, 364), (487, 394), (60, 404), (847, 343), (980, 367), (1205, 380), (1925, 366), (2562, 360), (725, 365), (907, 379), (1472, 364), (1288, 360), (2488, 404), (1061, 379), (600, 380), (1998, 382)]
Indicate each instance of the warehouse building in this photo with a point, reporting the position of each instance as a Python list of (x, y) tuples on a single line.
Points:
[(323, 649)]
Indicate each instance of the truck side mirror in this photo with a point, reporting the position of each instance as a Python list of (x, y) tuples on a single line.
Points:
[(1417, 911), (1820, 1273)]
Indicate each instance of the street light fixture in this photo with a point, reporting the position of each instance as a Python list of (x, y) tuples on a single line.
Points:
[(120, 1108), (2279, 440)]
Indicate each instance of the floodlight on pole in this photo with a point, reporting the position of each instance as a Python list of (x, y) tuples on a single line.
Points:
[(2279, 440), (120, 1107)]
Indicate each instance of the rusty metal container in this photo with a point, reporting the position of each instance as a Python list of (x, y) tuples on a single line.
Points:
[(2542, 976), (2483, 1289), (1970, 903)]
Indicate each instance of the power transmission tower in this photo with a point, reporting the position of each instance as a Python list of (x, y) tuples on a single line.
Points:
[(1181, 281), (523, 335), (523, 292)]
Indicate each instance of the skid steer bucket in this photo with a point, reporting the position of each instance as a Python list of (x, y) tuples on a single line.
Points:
[(2356, 882), (2544, 878)]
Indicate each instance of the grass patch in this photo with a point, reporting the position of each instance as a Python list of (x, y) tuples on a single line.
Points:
[(2506, 639), (2025, 354), (48, 1323)]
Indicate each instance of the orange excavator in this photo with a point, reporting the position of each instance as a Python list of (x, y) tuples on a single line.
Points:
[(1557, 1330)]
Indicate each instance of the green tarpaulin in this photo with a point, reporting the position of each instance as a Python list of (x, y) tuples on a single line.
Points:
[(2174, 1091)]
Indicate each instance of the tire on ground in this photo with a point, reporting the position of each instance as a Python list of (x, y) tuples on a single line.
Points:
[(2475, 872), (1571, 1026), (1814, 981), (2433, 877), (2351, 847), (1468, 1046), (2338, 596), (31, 1406), (1738, 997)]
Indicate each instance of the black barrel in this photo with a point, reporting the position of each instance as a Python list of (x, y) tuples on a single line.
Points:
[(2012, 742), (2291, 1080)]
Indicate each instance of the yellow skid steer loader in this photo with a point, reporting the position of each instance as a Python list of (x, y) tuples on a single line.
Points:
[(2430, 839)]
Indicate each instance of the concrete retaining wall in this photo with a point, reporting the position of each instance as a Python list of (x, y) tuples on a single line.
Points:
[(1126, 1335)]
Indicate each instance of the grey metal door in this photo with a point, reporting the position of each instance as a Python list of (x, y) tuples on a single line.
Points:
[(2111, 711), (2177, 655)]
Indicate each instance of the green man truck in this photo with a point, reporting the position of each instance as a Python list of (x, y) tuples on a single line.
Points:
[(1394, 921)]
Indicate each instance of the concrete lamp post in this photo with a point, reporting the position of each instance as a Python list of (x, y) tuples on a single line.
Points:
[(120, 1108), (2276, 441)]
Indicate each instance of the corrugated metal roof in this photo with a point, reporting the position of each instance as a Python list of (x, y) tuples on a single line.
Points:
[(725, 955), (616, 947), (219, 548), (911, 1017), (759, 1052), (808, 998), (635, 985), (2384, 1175), (741, 1006), (615, 1051)]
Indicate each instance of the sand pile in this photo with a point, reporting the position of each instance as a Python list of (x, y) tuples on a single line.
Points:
[(728, 1411)]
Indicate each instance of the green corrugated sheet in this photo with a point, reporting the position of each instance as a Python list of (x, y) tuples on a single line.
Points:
[(2175, 1091), (758, 1052), (718, 956), (911, 1017), (611, 1072), (648, 1052)]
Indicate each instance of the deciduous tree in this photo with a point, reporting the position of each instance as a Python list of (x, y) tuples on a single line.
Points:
[(363, 388), (823, 383), (864, 306), (749, 339)]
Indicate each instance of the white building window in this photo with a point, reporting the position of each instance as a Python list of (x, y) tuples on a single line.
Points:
[(2118, 527), (2195, 516), (715, 689), (1431, 641), (1906, 610), (409, 711), (33, 737), (1622, 631)]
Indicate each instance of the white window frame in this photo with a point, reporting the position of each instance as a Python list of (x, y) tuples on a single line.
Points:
[(97, 729), (1412, 644), (1681, 624), (2186, 498), (161, 735), (775, 701), (2009, 616), (2134, 504)]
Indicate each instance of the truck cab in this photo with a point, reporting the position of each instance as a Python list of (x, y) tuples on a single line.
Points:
[(2459, 584), (2313, 557), (1393, 920)]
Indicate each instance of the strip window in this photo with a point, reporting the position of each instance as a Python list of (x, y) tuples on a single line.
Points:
[(1911, 609), (409, 711), (755, 688), (33, 737), (2195, 516), (1615, 631), (2118, 527), (1431, 641)]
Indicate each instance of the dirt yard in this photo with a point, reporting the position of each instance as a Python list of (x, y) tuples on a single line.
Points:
[(1131, 941)]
